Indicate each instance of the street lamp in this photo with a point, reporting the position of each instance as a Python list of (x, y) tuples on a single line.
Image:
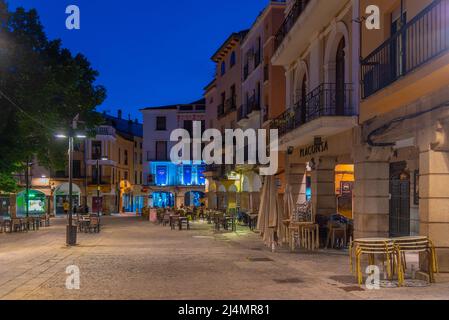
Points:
[(98, 182), (71, 229)]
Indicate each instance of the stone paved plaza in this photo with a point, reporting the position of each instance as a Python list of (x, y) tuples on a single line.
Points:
[(134, 259)]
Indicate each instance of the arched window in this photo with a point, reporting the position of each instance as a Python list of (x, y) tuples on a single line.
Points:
[(233, 59), (340, 78), (223, 68)]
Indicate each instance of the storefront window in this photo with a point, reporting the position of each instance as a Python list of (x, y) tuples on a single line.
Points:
[(201, 178), (36, 203), (161, 175), (163, 200), (187, 175)]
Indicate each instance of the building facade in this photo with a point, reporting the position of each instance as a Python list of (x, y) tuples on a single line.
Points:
[(170, 184), (106, 170), (402, 150), (223, 99), (318, 46)]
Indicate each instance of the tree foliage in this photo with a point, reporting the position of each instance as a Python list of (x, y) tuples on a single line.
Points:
[(43, 86)]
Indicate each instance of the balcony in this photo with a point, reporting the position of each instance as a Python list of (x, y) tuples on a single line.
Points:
[(266, 73), (305, 18), (220, 111), (297, 9), (246, 111), (230, 104), (409, 65), (245, 72), (325, 111), (420, 41), (105, 131), (242, 114), (93, 181)]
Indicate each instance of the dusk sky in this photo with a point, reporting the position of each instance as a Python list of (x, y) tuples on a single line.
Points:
[(148, 52)]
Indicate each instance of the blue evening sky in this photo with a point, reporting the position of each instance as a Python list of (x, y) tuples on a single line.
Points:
[(148, 52)]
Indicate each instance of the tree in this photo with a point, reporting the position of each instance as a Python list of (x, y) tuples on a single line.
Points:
[(42, 88)]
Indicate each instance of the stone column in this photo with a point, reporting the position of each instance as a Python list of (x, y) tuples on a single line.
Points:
[(434, 201), (323, 187), (297, 180), (371, 199)]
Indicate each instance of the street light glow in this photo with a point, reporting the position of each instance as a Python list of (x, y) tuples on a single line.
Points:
[(61, 136), (81, 136)]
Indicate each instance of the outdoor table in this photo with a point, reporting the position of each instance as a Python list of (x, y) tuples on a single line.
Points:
[(84, 223)]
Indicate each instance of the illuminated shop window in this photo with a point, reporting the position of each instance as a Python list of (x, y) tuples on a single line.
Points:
[(201, 178), (161, 175), (187, 175)]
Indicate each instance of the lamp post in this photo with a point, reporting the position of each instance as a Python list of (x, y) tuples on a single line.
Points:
[(71, 229)]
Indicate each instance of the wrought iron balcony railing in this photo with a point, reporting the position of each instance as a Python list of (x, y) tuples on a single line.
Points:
[(327, 100), (220, 110), (419, 41), (242, 114), (296, 11)]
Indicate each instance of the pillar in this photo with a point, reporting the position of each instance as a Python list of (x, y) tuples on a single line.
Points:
[(434, 201), (372, 199), (323, 187), (297, 180)]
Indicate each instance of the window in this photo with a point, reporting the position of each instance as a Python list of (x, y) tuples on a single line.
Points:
[(233, 59), (126, 175), (161, 176), (126, 157), (141, 158), (96, 150), (135, 177), (141, 177), (187, 175), (76, 169), (135, 157), (161, 123), (201, 178), (141, 146), (188, 125), (161, 150), (223, 68)]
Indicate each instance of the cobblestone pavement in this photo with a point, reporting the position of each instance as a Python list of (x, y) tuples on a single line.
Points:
[(134, 259)]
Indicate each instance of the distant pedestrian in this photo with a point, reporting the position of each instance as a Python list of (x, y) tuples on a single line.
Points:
[(66, 207)]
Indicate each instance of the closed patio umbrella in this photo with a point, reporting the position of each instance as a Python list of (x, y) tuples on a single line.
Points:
[(270, 215)]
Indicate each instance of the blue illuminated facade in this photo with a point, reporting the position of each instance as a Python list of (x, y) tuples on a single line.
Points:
[(168, 174)]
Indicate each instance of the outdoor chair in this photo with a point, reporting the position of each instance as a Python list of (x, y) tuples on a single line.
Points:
[(336, 231), (5, 225), (310, 235), (174, 222), (384, 248), (94, 224), (166, 219), (420, 245)]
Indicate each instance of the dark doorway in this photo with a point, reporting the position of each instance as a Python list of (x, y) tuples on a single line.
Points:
[(340, 79), (4, 206), (399, 200)]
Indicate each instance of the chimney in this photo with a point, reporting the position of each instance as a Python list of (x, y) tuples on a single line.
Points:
[(119, 113)]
